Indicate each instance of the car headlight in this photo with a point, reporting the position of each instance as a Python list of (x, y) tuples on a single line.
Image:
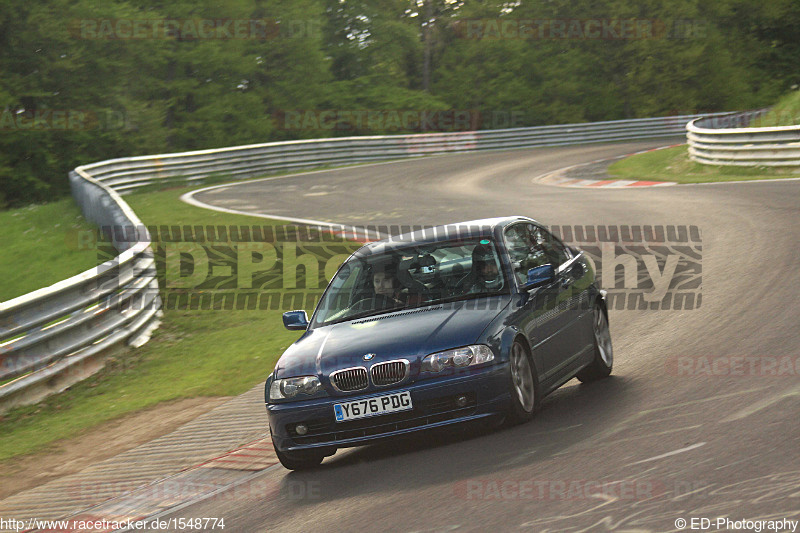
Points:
[(282, 389), (457, 358)]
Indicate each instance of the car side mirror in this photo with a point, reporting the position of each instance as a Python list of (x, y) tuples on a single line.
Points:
[(295, 320), (539, 276)]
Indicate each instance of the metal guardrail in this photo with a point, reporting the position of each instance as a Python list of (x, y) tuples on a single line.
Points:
[(727, 140), (50, 338), (56, 336), (255, 160)]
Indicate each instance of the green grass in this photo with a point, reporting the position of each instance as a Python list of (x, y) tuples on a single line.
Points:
[(209, 353), (45, 239), (673, 164), (785, 113)]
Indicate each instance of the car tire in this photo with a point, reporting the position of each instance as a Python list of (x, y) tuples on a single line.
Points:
[(603, 361), (523, 385), (301, 460)]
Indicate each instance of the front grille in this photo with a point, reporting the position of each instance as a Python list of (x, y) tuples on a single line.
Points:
[(389, 372), (350, 379)]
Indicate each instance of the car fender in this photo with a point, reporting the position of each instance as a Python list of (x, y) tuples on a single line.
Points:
[(506, 340)]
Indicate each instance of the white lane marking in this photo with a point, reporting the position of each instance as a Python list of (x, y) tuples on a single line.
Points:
[(189, 196), (556, 430), (189, 199), (348, 231), (745, 460), (665, 432), (519, 458), (762, 404), (668, 454), (703, 400), (686, 495)]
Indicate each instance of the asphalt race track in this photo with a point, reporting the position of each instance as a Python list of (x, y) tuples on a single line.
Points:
[(637, 451)]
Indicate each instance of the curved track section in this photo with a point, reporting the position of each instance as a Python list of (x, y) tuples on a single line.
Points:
[(638, 451)]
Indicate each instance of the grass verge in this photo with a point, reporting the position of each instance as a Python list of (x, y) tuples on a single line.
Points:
[(785, 113), (45, 239), (201, 353), (673, 164)]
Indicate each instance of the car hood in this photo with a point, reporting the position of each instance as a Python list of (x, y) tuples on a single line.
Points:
[(410, 334)]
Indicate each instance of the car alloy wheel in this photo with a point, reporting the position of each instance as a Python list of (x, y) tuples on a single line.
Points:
[(522, 378), (602, 337), (603, 361), (524, 387)]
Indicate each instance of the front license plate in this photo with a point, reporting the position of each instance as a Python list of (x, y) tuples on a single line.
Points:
[(379, 405)]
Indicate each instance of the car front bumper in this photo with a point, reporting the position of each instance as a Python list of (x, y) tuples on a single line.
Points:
[(434, 405)]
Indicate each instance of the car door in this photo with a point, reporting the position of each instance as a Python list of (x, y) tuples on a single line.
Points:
[(571, 277), (541, 317)]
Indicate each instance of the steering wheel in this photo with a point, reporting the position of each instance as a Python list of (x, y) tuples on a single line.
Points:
[(379, 301), (464, 284)]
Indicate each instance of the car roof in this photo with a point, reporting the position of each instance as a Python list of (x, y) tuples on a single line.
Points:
[(485, 227)]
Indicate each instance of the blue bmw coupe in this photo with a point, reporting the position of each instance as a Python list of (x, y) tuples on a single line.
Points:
[(442, 326)]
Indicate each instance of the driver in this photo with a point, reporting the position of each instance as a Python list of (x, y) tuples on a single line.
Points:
[(385, 283), (484, 268)]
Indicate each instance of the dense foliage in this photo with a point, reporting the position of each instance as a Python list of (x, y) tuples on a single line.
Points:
[(85, 80)]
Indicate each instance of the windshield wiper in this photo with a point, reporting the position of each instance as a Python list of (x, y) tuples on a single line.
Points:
[(364, 314), (468, 296)]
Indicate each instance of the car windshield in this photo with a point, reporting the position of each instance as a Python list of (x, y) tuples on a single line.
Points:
[(412, 276)]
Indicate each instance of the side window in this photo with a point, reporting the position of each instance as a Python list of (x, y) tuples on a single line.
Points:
[(525, 249), (553, 248)]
